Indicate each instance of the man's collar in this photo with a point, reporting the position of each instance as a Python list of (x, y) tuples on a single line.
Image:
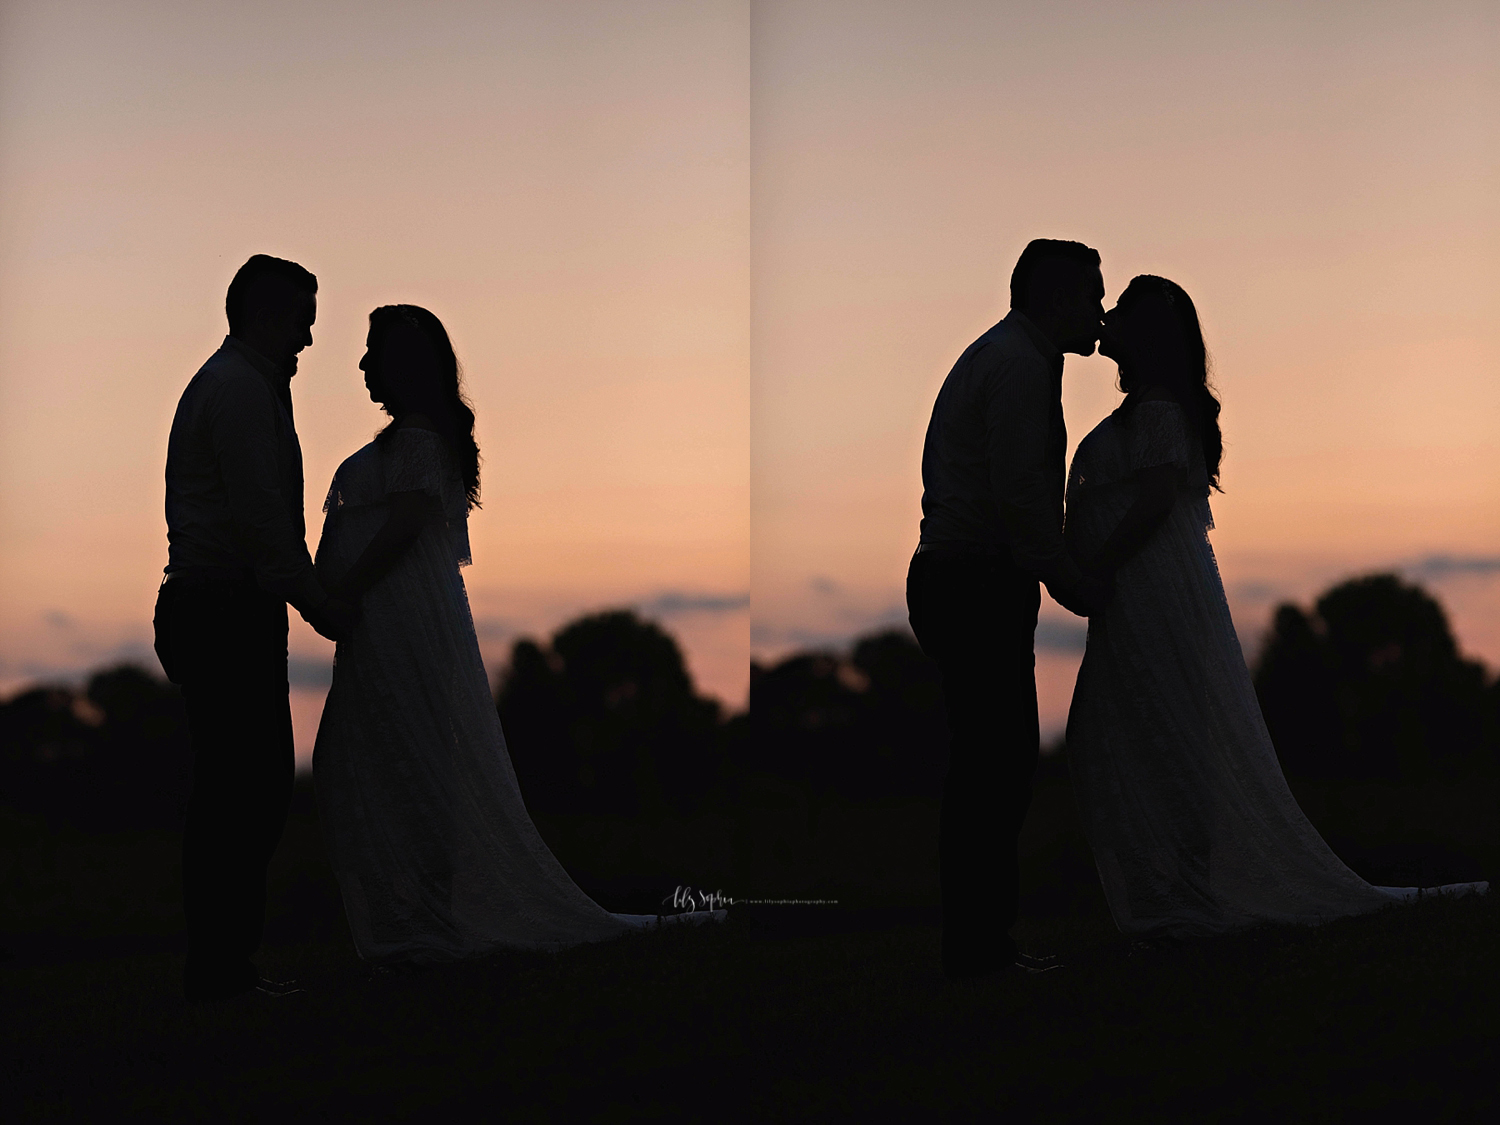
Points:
[(1049, 351), (272, 370)]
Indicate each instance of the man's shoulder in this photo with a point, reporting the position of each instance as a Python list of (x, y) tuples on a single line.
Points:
[(1005, 350), (223, 393), (1011, 340), (227, 375), (229, 363)]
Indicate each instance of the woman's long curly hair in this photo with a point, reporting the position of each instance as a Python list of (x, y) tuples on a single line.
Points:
[(445, 402), (1174, 355)]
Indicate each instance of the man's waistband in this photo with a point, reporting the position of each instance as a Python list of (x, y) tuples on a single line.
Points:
[(199, 575), (996, 551)]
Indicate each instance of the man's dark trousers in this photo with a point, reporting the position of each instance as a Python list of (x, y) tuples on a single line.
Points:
[(225, 641), (974, 613)]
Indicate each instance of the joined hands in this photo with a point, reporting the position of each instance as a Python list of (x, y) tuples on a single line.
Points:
[(1088, 596), (334, 619)]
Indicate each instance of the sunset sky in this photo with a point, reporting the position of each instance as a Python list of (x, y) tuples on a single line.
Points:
[(566, 186), (1324, 180), (706, 265)]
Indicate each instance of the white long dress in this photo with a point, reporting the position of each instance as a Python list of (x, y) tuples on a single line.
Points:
[(425, 826), (1182, 798)]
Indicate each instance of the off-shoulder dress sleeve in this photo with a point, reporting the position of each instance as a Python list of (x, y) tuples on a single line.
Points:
[(415, 462), (1158, 435), (418, 461)]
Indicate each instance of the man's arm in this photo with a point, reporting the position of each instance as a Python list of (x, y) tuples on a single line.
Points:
[(1018, 416), (242, 429)]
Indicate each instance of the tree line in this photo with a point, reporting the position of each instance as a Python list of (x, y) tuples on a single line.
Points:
[(604, 718)]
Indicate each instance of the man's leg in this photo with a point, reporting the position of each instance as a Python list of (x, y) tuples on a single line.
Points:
[(1017, 727), (977, 621), (240, 722)]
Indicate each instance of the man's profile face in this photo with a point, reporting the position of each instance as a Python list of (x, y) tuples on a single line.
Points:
[(283, 327), (1080, 308)]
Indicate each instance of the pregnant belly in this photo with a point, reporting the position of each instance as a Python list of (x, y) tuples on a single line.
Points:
[(345, 537), (1092, 515)]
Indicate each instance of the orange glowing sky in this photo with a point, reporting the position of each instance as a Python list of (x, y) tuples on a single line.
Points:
[(706, 265), (1321, 178), (566, 186)]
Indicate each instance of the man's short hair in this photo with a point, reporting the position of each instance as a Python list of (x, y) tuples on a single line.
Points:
[(249, 292), (1045, 265)]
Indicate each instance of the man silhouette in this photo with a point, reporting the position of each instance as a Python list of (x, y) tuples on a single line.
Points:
[(237, 556), (992, 510)]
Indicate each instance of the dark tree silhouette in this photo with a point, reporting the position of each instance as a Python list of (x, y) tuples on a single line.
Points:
[(801, 719), (1371, 684), (607, 720), (116, 756), (1295, 681), (870, 725), (901, 713), (46, 749), (533, 705), (145, 763)]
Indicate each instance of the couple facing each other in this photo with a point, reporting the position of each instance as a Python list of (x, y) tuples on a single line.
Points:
[(426, 830), (1179, 790)]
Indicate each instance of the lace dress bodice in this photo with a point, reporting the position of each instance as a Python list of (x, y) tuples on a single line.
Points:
[(1101, 485), (409, 459)]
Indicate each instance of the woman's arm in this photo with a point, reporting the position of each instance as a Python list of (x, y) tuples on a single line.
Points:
[(410, 513), (1157, 492)]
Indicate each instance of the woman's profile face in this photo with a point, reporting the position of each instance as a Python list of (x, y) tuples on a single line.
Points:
[(1145, 331), (1112, 335), (400, 368), (369, 364)]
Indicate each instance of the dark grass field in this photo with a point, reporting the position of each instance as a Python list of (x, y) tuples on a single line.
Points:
[(785, 1012)]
